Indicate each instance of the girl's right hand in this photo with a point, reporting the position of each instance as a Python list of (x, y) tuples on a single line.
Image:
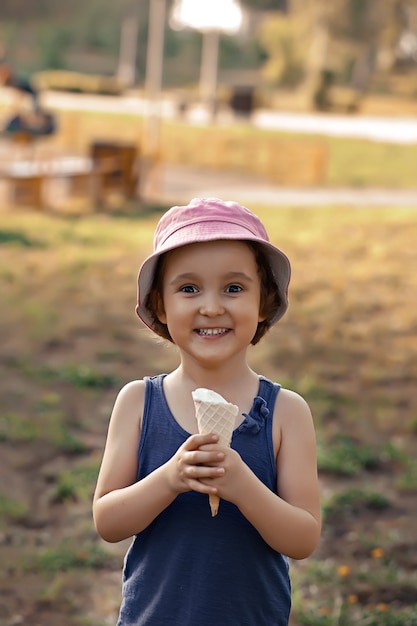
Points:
[(190, 464)]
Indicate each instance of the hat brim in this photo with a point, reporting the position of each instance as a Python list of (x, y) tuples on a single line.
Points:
[(278, 261)]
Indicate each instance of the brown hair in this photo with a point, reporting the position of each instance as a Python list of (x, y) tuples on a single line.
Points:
[(270, 298)]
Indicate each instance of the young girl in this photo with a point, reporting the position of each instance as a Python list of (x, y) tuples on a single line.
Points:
[(213, 286)]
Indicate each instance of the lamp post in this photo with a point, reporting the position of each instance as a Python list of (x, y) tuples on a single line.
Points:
[(153, 78), (210, 18)]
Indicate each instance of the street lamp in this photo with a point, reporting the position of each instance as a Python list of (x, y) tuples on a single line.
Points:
[(154, 67), (210, 18)]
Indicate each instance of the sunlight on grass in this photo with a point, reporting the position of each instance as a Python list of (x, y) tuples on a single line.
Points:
[(352, 162), (362, 163)]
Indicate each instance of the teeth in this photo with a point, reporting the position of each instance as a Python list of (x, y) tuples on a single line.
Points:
[(212, 331)]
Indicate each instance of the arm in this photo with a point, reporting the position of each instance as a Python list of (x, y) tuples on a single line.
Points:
[(288, 522), (123, 507)]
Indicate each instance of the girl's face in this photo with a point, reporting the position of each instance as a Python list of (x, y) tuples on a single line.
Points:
[(211, 298)]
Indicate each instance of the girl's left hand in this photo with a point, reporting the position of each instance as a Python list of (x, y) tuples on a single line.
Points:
[(231, 484)]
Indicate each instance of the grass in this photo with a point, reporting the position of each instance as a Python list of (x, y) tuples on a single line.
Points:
[(11, 509), (66, 556), (408, 479), (78, 483), (40, 426), (350, 162), (361, 163), (70, 338), (352, 501), (343, 456), (345, 613)]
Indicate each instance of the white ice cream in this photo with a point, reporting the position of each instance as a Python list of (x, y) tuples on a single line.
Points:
[(207, 395)]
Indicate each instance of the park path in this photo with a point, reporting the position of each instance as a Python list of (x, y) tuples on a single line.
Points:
[(180, 183), (392, 129)]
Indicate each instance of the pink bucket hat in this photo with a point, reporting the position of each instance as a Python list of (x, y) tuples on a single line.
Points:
[(210, 219)]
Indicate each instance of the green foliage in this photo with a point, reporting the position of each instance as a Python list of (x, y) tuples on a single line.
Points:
[(413, 425), (70, 554), (98, 28), (352, 502), (17, 427), (284, 43), (408, 479), (78, 483), (11, 509), (54, 42), (17, 238), (77, 374), (354, 21), (343, 456), (84, 376), (41, 425)]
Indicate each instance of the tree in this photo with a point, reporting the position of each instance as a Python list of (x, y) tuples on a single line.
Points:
[(320, 42)]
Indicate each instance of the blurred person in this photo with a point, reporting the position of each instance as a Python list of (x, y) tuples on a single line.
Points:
[(32, 122), (8, 78)]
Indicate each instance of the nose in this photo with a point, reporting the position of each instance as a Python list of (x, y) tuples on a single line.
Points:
[(211, 305)]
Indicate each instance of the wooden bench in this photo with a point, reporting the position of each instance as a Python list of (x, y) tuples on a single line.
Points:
[(28, 179)]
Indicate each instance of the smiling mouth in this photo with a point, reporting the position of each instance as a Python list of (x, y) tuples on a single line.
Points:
[(212, 332)]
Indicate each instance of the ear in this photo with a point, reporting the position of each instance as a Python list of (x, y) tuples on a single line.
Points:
[(160, 309), (262, 315)]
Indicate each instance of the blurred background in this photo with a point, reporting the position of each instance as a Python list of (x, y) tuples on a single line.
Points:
[(178, 68), (110, 112), (331, 55)]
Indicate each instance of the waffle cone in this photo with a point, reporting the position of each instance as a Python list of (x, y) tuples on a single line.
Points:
[(217, 417)]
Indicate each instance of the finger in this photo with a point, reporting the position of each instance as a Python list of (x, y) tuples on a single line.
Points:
[(199, 457), (196, 441), (203, 471), (209, 447), (201, 487)]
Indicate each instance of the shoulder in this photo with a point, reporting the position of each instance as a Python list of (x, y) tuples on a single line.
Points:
[(128, 407), (132, 391), (285, 398), (292, 418), (290, 401)]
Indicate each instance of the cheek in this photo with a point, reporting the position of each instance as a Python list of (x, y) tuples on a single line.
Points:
[(171, 308)]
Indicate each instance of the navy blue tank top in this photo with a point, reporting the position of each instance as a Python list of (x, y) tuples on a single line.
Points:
[(188, 568)]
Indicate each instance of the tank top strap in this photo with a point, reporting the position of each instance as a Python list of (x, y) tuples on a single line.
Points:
[(154, 408), (268, 390)]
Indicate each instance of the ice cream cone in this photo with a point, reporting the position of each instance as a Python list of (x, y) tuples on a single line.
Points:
[(214, 415)]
